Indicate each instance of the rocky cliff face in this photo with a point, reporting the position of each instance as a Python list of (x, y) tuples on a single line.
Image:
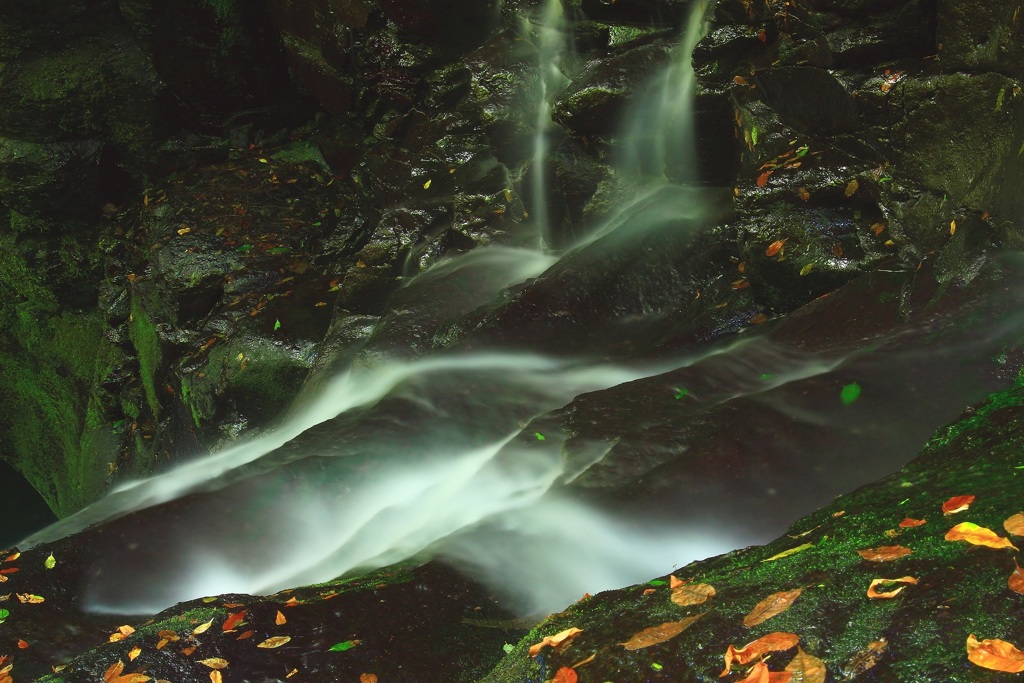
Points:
[(209, 206)]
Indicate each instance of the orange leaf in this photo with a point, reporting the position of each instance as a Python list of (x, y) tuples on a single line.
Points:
[(565, 675), (216, 677), (957, 504), (775, 247), (367, 678), (778, 640), (113, 671), (9, 570), (22, 644), (909, 522), (807, 668), (978, 535), (12, 558), (692, 593), (740, 284), (1016, 580), (872, 593), (659, 634), (739, 80), (762, 179), (134, 652), (245, 634), (770, 606), (555, 640), (878, 228), (280, 619), (233, 620), (995, 654), (1014, 524), (884, 553), (674, 582)]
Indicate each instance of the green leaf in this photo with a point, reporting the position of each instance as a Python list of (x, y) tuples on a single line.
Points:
[(342, 647), (999, 99), (278, 250), (681, 391), (244, 248), (753, 134), (277, 325), (540, 437), (850, 393), (657, 582), (3, 615), (50, 562)]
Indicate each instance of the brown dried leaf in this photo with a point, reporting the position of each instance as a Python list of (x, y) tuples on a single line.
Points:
[(1016, 580), (884, 553), (659, 634), (862, 660), (803, 193), (1014, 524), (851, 188), (555, 640), (995, 654), (806, 668), (978, 535), (692, 594), (367, 678), (280, 619), (872, 593), (772, 642), (275, 641), (909, 522), (770, 606)]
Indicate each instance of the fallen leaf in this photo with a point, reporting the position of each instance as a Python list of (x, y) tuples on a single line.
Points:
[(134, 652), (565, 675), (675, 582), (30, 599), (837, 250), (806, 668), (121, 633), (561, 637), (877, 228), (245, 634), (659, 634), (12, 558), (803, 193), (806, 269), (692, 593), (363, 678), (770, 606), (188, 651), (995, 654), (275, 641), (113, 671), (1016, 580), (762, 179), (957, 504), (759, 673), (202, 628), (772, 642), (791, 551), (977, 535), (872, 593), (884, 553), (775, 247), (280, 619), (740, 284), (1014, 524), (214, 662), (851, 188), (233, 620), (909, 522), (50, 562), (216, 677), (9, 570), (22, 644), (343, 646)]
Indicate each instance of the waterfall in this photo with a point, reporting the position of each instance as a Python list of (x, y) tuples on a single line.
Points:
[(551, 46)]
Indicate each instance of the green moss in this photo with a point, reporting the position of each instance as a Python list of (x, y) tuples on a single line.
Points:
[(147, 345)]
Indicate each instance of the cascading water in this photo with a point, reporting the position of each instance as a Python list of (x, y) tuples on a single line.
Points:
[(551, 45), (486, 457)]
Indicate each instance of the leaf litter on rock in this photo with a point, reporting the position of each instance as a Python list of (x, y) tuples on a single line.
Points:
[(776, 603), (659, 634)]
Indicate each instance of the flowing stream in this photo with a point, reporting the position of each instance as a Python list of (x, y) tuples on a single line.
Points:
[(400, 455)]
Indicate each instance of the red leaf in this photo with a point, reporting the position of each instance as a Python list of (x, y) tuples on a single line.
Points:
[(565, 675), (957, 504), (762, 179), (233, 620)]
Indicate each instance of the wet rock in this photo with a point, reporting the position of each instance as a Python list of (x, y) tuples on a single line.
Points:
[(809, 100), (50, 179)]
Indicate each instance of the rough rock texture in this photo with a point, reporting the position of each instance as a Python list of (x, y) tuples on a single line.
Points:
[(211, 204)]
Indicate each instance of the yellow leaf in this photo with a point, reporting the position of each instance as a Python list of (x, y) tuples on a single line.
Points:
[(995, 654), (426, 185), (872, 593), (976, 535), (30, 599), (851, 188), (134, 652), (659, 634), (214, 662), (202, 628), (806, 269), (280, 619), (770, 606), (791, 551), (276, 641), (215, 677), (692, 594), (952, 227)]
